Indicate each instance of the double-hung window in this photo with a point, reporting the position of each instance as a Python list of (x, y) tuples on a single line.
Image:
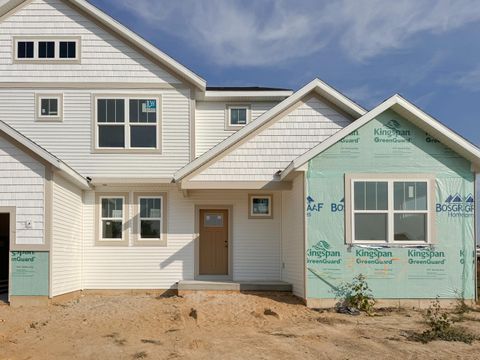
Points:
[(150, 218), (127, 123), (390, 209), (112, 218)]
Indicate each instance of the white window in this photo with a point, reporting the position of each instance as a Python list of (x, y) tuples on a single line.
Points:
[(49, 107), (127, 123), (112, 218), (260, 206), (150, 218), (390, 210), (47, 49), (237, 116)]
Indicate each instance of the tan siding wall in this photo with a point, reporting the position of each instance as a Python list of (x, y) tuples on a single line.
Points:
[(275, 147), (104, 57), (22, 185), (293, 240), (67, 237), (210, 122), (256, 245), (71, 140)]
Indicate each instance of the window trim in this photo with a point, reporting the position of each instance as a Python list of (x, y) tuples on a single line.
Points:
[(100, 241), (38, 107), (390, 178), (126, 124), (251, 215), (137, 240), (229, 107), (56, 59)]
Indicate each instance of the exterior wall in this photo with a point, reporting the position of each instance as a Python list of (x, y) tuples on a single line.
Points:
[(104, 58), (259, 158), (293, 236), (255, 244), (66, 257), (210, 122), (388, 145), (22, 186), (72, 139)]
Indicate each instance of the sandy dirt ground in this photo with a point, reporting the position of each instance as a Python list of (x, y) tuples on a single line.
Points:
[(215, 326)]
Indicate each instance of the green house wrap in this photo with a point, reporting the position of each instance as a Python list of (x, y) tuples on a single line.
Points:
[(389, 144)]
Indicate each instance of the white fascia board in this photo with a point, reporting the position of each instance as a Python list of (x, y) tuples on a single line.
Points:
[(126, 180), (45, 155), (140, 42), (315, 85), (415, 115), (242, 95)]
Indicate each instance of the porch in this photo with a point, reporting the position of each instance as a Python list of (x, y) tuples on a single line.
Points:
[(237, 286)]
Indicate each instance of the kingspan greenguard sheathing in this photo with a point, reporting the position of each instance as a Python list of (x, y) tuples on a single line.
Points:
[(391, 144)]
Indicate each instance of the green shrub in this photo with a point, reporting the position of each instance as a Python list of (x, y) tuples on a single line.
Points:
[(356, 294), (441, 327)]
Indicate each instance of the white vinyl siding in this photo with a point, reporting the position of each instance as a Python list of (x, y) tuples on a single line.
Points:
[(256, 244), (22, 185), (104, 58), (67, 237), (293, 236), (260, 157), (72, 139), (210, 122)]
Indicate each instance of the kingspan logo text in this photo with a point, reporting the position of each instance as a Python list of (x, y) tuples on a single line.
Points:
[(426, 257), (321, 253), (392, 133), (373, 256)]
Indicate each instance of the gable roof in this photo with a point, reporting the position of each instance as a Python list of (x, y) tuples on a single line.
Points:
[(125, 34), (316, 86), (49, 158), (410, 112)]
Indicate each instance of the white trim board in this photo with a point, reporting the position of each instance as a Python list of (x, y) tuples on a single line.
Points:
[(410, 112), (316, 86)]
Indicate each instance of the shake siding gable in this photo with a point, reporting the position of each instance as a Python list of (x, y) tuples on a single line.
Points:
[(104, 58), (210, 122), (272, 149)]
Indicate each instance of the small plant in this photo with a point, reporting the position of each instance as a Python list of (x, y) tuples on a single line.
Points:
[(140, 355), (441, 327), (356, 294)]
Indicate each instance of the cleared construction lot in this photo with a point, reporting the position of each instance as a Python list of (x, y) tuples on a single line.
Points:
[(216, 326)]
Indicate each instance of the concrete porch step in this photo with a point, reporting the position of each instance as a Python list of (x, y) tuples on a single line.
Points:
[(201, 285)]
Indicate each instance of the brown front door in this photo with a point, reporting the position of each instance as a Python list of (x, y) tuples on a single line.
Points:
[(213, 254)]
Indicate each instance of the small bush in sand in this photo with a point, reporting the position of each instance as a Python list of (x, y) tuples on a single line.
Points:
[(140, 355), (356, 294), (441, 327)]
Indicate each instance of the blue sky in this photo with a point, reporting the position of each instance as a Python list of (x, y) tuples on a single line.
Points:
[(428, 51)]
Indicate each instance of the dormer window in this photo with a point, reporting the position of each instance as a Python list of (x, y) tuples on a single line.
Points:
[(237, 116), (39, 49)]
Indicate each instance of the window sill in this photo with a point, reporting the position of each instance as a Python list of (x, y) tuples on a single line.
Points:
[(108, 243), (150, 243), (391, 245), (126, 151), (234, 127)]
